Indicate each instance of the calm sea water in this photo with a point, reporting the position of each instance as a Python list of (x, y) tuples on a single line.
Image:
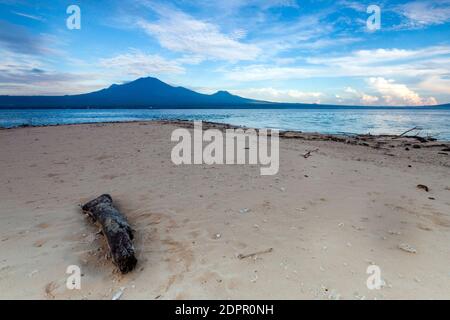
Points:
[(374, 121)]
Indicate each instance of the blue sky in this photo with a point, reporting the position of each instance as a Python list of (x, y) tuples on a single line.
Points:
[(280, 50)]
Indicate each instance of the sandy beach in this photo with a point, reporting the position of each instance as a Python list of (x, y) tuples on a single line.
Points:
[(319, 223)]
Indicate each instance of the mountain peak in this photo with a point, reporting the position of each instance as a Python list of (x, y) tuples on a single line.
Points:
[(141, 81), (149, 79), (222, 93)]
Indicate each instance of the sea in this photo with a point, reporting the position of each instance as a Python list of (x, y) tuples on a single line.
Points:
[(433, 122)]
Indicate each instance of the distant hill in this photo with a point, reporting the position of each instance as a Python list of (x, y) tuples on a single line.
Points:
[(152, 93), (143, 92)]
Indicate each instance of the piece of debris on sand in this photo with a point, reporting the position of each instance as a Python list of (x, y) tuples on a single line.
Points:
[(118, 294), (423, 187), (243, 256), (308, 153), (407, 248)]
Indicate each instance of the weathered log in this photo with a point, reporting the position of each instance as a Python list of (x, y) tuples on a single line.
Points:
[(116, 229)]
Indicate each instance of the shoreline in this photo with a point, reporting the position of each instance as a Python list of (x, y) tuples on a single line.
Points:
[(222, 125), (353, 203)]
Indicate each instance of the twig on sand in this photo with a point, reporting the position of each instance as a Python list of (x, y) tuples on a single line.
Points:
[(409, 130), (243, 256), (308, 153)]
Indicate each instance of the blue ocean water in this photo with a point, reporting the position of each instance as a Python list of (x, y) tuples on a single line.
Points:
[(434, 122)]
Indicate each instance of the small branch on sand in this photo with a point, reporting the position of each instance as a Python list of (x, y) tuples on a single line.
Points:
[(409, 130), (243, 256), (116, 229), (308, 153)]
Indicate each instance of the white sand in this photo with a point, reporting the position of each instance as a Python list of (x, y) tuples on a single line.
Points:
[(356, 207)]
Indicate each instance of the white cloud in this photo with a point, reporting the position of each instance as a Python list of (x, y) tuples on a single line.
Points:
[(379, 56), (138, 64), (367, 99), (233, 6), (430, 61), (183, 33), (424, 13), (361, 98), (308, 32), (398, 94), (326, 43), (436, 84), (70, 84), (23, 74), (357, 6), (268, 72), (276, 95), (384, 92), (351, 90), (29, 16)]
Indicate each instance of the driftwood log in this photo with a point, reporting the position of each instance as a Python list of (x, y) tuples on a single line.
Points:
[(115, 228)]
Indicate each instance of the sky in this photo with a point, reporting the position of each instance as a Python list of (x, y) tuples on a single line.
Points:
[(329, 52)]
